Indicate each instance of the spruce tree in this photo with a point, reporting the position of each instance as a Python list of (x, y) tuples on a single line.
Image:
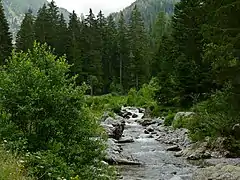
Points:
[(25, 37), (139, 48), (73, 48), (93, 57), (40, 26), (5, 37), (61, 36), (123, 70), (187, 22)]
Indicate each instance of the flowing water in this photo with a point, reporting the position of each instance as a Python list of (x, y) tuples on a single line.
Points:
[(158, 164)]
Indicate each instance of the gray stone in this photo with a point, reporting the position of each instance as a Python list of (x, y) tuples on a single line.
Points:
[(174, 148), (126, 140), (176, 178), (150, 129), (218, 172)]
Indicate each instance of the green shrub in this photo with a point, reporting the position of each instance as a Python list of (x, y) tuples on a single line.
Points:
[(169, 119), (46, 113), (181, 122), (216, 116)]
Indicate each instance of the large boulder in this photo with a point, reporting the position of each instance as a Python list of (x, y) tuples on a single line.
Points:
[(218, 172), (114, 128), (114, 155)]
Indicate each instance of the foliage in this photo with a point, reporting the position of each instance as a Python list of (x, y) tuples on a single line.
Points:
[(46, 114), (5, 37), (111, 103), (25, 37), (11, 167), (215, 117), (169, 119)]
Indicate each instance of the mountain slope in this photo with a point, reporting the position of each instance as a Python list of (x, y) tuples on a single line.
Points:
[(15, 10), (149, 9)]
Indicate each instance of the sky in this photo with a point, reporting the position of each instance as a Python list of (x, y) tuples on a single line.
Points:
[(82, 6)]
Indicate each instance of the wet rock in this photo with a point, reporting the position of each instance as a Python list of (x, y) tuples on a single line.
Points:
[(114, 128), (174, 148), (226, 161), (183, 114), (146, 122), (146, 131), (127, 115), (118, 130), (176, 178), (110, 121), (194, 156), (134, 116), (150, 129), (218, 172), (126, 140), (178, 154)]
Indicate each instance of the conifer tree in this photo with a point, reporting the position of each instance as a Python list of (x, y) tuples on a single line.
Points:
[(93, 57), (41, 24), (123, 71), (139, 48), (61, 38), (73, 47), (5, 37), (25, 37)]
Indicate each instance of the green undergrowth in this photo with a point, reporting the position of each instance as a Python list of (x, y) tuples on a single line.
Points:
[(112, 103), (11, 167)]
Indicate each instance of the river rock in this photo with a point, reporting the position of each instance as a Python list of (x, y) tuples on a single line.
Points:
[(126, 140), (183, 114), (176, 178), (146, 131), (178, 154), (146, 121), (150, 129), (174, 148), (114, 128), (218, 172)]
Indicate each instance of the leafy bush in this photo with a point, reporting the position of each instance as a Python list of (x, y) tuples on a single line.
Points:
[(145, 97), (181, 122), (46, 114), (216, 116), (169, 119)]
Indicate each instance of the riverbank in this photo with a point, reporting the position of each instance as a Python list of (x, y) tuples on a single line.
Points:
[(149, 150)]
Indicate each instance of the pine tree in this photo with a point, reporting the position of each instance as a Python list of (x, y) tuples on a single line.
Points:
[(73, 47), (122, 70), (61, 38), (25, 37), (187, 22), (5, 37), (41, 24), (47, 26), (138, 50), (93, 56)]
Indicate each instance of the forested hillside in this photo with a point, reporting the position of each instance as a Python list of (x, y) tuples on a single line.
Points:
[(15, 10), (185, 62), (149, 10)]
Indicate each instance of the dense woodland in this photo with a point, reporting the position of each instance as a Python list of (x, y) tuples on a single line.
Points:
[(191, 58)]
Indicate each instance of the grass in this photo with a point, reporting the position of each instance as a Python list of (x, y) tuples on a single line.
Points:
[(10, 167)]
